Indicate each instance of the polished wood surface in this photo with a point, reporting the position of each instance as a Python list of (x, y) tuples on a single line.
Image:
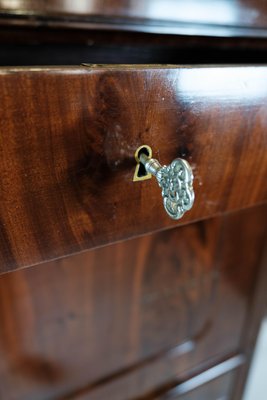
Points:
[(127, 320), (208, 17), (68, 138)]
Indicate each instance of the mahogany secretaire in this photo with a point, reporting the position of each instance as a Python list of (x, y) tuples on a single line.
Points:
[(133, 187)]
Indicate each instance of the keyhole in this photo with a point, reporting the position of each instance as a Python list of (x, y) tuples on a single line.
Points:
[(140, 171)]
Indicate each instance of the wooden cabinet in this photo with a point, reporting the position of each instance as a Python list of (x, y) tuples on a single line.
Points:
[(120, 302)]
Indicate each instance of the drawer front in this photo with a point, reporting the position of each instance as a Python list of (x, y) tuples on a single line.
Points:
[(68, 138), (125, 320)]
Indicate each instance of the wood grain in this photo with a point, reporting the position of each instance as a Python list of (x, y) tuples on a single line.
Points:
[(106, 324), (68, 138), (219, 18)]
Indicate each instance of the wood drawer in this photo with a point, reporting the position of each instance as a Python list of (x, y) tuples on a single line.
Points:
[(125, 320), (68, 138)]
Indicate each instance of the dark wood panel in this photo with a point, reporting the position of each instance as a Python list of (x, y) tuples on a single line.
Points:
[(221, 17), (68, 138), (31, 45), (108, 322), (38, 35), (47, 46)]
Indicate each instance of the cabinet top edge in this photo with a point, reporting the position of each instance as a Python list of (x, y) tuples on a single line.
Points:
[(85, 68)]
